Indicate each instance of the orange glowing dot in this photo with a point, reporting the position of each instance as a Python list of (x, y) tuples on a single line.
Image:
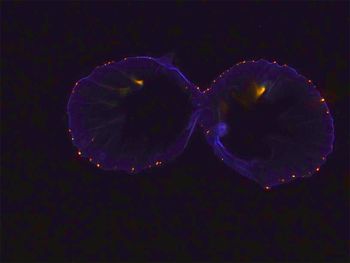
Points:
[(317, 169), (260, 90), (98, 165), (138, 82), (79, 153), (322, 100), (293, 175)]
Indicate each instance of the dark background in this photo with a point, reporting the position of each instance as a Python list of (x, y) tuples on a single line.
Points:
[(57, 207)]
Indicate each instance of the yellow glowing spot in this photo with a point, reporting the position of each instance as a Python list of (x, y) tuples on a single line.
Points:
[(138, 82), (260, 90), (317, 169), (79, 152), (98, 165), (293, 175), (322, 100)]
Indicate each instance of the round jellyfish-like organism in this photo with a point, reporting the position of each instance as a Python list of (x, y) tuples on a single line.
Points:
[(267, 122), (132, 114)]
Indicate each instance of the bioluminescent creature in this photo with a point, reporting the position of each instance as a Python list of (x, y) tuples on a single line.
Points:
[(265, 121), (132, 114), (268, 123)]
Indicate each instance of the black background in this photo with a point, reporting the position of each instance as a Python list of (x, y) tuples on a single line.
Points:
[(57, 207)]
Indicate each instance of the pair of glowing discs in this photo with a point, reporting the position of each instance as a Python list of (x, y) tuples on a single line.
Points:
[(265, 121)]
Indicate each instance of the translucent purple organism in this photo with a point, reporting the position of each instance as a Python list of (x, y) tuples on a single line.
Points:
[(132, 114), (265, 121)]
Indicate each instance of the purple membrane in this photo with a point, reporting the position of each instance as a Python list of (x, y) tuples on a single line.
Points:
[(133, 114), (267, 122)]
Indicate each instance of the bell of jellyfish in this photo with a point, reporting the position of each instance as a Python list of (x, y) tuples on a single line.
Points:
[(267, 122), (132, 114)]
